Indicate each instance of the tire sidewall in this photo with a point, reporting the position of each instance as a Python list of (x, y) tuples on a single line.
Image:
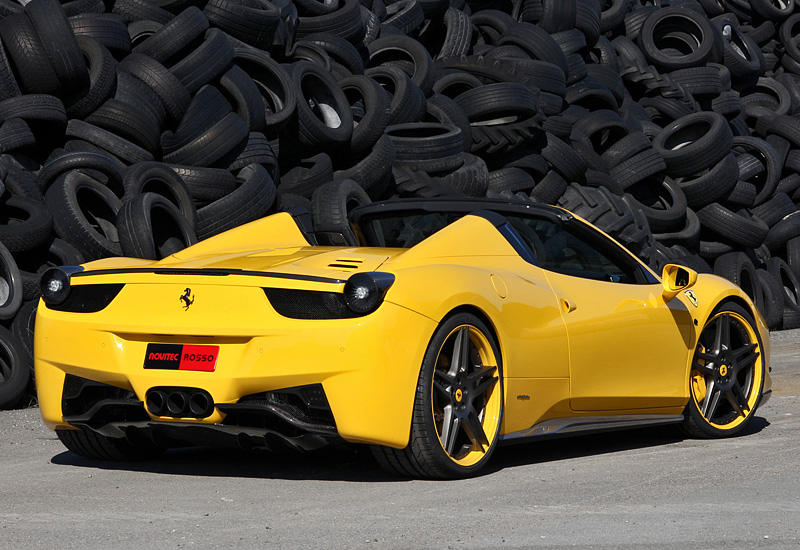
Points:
[(692, 409), (425, 389)]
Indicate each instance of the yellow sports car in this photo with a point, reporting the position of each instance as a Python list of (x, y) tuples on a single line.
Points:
[(439, 330)]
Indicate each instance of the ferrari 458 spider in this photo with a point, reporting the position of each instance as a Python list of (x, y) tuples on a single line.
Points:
[(438, 330)]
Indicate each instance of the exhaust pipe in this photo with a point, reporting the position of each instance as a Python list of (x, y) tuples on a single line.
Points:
[(179, 402), (156, 402)]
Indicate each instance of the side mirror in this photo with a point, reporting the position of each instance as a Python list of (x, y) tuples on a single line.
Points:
[(676, 278)]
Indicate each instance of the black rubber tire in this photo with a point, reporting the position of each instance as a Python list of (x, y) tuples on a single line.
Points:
[(345, 22), (14, 370), (550, 188), (10, 285), (341, 52), (775, 209), (662, 201), (206, 62), (212, 145), (369, 106), (330, 206), (206, 185), (85, 214), (109, 141), (140, 10), (733, 227), (400, 50), (471, 178), (612, 214), (373, 171), (19, 181), (664, 27), (250, 201), (256, 148), (741, 54), (783, 272), (694, 143), (172, 93), (44, 114), (422, 141), (107, 29), (92, 162), (140, 97), (59, 43), (308, 174), (278, 93), (404, 15), (15, 134), (768, 157), (458, 38), (786, 229), (151, 227), (28, 60), (688, 235), (695, 424), (537, 43), (136, 126), (498, 103), (95, 446), (739, 269), (207, 108), (24, 223), (159, 178), (510, 179), (102, 79), (408, 102), (325, 121), (772, 291), (254, 23), (243, 95), (25, 321), (166, 44), (711, 185), (425, 456)]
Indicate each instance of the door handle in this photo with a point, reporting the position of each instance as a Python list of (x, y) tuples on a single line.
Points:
[(568, 306)]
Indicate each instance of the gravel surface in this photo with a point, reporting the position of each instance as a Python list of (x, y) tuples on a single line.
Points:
[(639, 489)]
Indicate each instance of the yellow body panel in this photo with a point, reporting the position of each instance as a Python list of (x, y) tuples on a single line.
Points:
[(623, 350)]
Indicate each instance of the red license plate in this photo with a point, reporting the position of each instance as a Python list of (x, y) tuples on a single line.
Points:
[(181, 357)]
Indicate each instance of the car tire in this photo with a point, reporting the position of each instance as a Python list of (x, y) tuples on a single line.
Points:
[(453, 433), (90, 444), (14, 370), (716, 416)]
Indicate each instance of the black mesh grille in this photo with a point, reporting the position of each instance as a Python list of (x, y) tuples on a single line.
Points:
[(88, 298), (96, 404), (308, 304)]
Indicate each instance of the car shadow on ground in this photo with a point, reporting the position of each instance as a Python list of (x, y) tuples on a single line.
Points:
[(356, 464)]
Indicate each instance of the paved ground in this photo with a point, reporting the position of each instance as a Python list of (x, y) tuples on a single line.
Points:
[(639, 490)]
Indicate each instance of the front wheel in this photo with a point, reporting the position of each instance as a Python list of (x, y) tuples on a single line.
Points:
[(727, 375), (458, 407)]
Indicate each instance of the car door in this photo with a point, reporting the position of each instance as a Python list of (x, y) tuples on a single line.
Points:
[(628, 347)]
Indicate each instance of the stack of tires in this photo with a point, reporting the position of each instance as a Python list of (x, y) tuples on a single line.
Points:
[(139, 127)]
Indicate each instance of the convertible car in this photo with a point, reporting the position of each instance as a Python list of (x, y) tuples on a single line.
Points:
[(443, 329)]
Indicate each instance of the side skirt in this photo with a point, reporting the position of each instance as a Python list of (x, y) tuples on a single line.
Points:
[(562, 427)]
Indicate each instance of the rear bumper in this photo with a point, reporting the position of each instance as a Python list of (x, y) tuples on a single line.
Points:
[(368, 366)]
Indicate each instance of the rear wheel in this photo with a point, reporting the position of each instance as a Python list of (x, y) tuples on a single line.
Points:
[(727, 375), (89, 444), (458, 407)]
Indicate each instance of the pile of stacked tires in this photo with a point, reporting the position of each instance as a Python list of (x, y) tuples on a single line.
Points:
[(138, 127)]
